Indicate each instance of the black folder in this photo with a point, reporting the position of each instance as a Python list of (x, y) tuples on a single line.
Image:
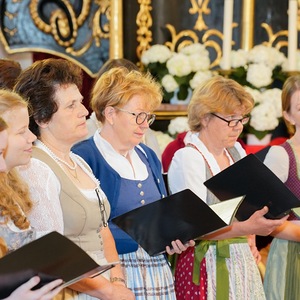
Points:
[(261, 187), (51, 257), (182, 216)]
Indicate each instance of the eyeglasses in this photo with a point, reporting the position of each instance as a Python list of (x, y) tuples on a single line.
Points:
[(141, 117), (233, 123)]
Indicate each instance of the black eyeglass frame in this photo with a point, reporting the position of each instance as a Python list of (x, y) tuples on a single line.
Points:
[(234, 122), (142, 116)]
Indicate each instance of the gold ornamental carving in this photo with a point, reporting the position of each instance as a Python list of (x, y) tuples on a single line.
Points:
[(63, 24), (144, 23), (200, 7), (187, 37)]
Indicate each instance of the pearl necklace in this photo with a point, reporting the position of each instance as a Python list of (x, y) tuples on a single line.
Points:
[(59, 160)]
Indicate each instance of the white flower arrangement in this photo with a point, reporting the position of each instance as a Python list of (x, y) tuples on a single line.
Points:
[(260, 70), (178, 125), (178, 72), (163, 140), (258, 67), (266, 113)]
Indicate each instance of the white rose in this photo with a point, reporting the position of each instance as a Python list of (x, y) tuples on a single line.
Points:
[(275, 58), (163, 140), (179, 65), (199, 77), (178, 125), (266, 55), (169, 83), (193, 49), (199, 62), (256, 94), (259, 75), (263, 117), (238, 58), (273, 96), (156, 53)]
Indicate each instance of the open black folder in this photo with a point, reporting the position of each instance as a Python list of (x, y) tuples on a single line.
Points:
[(261, 187), (51, 257), (182, 216)]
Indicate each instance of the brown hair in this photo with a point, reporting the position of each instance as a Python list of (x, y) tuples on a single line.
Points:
[(9, 72), (115, 63), (38, 83), (290, 86), (118, 85), (217, 95)]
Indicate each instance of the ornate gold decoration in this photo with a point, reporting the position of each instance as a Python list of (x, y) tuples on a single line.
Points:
[(187, 37), (10, 15), (175, 44), (144, 22), (11, 32), (200, 7), (98, 32), (213, 44), (61, 29), (275, 36), (64, 24)]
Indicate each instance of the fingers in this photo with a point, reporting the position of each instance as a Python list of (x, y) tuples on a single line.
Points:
[(262, 211), (178, 247), (258, 258), (50, 286), (30, 284)]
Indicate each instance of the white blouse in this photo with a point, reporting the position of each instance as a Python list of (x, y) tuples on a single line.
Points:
[(277, 160), (46, 214), (188, 168), (136, 170)]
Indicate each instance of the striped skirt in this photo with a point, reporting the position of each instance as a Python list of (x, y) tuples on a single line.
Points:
[(149, 277)]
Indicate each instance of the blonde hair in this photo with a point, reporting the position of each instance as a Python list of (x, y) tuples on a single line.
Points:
[(15, 201), (3, 125), (217, 95), (118, 85), (3, 247), (10, 100)]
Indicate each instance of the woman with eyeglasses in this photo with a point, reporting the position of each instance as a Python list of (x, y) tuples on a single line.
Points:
[(129, 171), (62, 185), (223, 264)]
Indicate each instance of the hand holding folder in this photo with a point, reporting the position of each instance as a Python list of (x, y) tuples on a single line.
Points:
[(261, 187), (51, 257), (182, 216)]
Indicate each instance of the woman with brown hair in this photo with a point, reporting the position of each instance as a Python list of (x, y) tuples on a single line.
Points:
[(60, 178)]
